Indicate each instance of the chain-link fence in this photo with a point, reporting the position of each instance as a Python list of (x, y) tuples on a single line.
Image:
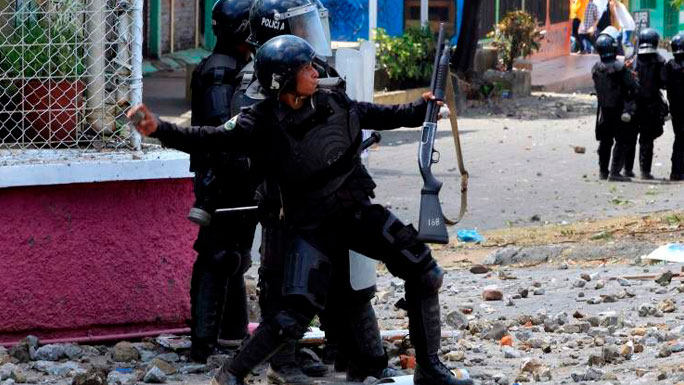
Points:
[(69, 69)]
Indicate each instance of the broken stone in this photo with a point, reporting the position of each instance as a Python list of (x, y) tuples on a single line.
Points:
[(585, 277), (664, 352), (593, 374), (667, 306), (523, 292), (610, 354), (166, 367), (608, 298), (646, 309), (539, 292), (510, 352), (579, 283), (492, 293), (52, 352), (457, 320), (12, 372), (119, 378), (455, 356), (479, 269), (665, 278), (155, 376), (594, 300), (627, 350), (509, 301), (600, 284), (91, 377), (530, 365), (193, 368), (496, 332), (25, 350), (125, 351), (624, 282), (54, 369)]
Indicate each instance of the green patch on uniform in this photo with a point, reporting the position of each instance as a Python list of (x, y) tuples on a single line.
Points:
[(229, 125)]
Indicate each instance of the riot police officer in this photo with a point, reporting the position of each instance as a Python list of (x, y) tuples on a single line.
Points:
[(651, 108), (674, 81), (615, 89), (349, 319), (310, 141), (218, 296)]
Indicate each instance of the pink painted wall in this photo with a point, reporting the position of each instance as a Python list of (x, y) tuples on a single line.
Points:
[(98, 258)]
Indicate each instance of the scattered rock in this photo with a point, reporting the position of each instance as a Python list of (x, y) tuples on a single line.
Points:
[(492, 293), (166, 367), (594, 300), (664, 352), (624, 282), (125, 351), (600, 284), (155, 376), (118, 378), (479, 269), (667, 306), (523, 293), (646, 309), (585, 277), (496, 332), (580, 149), (91, 377), (539, 292), (579, 283), (52, 352), (25, 350), (457, 320), (55, 369), (455, 356), (665, 278)]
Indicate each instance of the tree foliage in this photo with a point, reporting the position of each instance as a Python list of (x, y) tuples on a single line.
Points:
[(408, 57), (517, 35)]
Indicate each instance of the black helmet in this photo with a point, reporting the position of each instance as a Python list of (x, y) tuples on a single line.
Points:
[(279, 59), (230, 19), (677, 44), (271, 18), (606, 47), (648, 41)]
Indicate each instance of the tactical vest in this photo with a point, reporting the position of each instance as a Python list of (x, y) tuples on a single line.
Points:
[(649, 69), (323, 146), (242, 98), (675, 85), (608, 78), (215, 74)]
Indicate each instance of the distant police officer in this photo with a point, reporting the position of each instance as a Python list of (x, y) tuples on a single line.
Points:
[(674, 81), (310, 141), (615, 89), (651, 108), (349, 320), (217, 293)]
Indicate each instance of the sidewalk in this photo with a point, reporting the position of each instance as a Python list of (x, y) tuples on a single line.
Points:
[(563, 74)]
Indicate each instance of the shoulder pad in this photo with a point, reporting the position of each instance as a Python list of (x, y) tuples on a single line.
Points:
[(215, 61), (331, 83)]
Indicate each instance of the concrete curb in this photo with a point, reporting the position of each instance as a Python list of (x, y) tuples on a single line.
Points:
[(531, 255)]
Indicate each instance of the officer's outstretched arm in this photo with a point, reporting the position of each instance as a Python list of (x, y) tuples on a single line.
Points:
[(388, 117), (234, 135)]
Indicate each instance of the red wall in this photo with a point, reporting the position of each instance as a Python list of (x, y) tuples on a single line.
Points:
[(99, 258)]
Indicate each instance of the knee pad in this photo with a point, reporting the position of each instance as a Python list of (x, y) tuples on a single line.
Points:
[(431, 279), (290, 324), (405, 238), (307, 273)]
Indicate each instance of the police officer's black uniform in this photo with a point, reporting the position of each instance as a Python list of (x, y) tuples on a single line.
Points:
[(615, 89), (674, 81), (218, 295), (314, 154), (651, 108), (349, 321)]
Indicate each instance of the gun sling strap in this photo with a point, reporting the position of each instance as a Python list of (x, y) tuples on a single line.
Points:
[(451, 104)]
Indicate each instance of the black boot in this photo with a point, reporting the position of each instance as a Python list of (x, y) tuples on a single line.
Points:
[(630, 153), (224, 377), (604, 149), (617, 164), (235, 315), (368, 357), (425, 330), (645, 160), (283, 368), (207, 293)]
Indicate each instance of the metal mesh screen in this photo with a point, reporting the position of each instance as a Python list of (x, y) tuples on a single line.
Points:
[(69, 69)]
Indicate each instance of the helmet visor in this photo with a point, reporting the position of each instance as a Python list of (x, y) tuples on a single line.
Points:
[(305, 22)]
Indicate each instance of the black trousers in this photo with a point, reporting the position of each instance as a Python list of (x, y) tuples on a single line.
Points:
[(217, 292), (372, 231), (678, 146)]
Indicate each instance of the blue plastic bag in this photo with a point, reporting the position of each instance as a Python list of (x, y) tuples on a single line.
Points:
[(466, 235)]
